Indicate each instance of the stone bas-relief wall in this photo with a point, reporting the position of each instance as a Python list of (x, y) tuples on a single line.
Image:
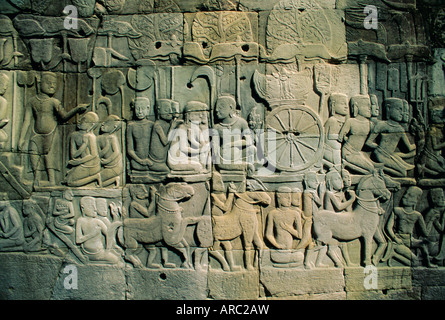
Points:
[(222, 149)]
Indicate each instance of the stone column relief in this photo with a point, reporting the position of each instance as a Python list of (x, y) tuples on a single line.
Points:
[(223, 149)]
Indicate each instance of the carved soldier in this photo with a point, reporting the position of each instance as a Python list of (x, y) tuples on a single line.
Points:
[(354, 133), (334, 198), (400, 228), (33, 226), (391, 133), (339, 110), (47, 113)]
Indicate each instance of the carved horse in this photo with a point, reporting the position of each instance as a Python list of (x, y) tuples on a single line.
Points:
[(167, 225), (240, 220), (362, 223)]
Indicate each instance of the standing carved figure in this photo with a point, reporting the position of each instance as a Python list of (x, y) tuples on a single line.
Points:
[(43, 114)]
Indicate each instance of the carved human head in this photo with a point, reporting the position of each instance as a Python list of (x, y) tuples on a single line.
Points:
[(196, 112), (4, 83), (48, 83), (284, 197), (165, 109), (411, 196), (436, 108), (394, 108), (338, 104), (141, 107), (225, 107), (437, 197), (88, 206), (334, 181), (88, 121), (310, 180), (361, 105), (102, 207), (111, 124)]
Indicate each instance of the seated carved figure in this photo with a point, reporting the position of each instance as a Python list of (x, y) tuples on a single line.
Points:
[(160, 142), (234, 139), (190, 147), (91, 233), (334, 198), (11, 228), (400, 229), (431, 162), (353, 135), (84, 157), (282, 227), (391, 133), (138, 136), (110, 152)]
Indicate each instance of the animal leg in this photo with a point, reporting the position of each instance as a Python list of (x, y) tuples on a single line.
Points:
[(368, 246), (334, 255), (132, 249), (229, 256), (381, 246), (151, 256), (164, 256)]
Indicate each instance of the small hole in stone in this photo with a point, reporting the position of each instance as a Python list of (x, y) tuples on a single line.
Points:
[(163, 276), (245, 47), (189, 85), (158, 44), (385, 291), (204, 44)]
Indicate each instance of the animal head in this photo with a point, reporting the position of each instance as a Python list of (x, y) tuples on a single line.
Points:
[(375, 183), (175, 191)]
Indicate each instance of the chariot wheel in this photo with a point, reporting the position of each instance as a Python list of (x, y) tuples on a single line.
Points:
[(294, 138)]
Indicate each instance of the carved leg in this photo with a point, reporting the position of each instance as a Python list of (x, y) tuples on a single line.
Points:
[(164, 255), (248, 256), (334, 255), (229, 256)]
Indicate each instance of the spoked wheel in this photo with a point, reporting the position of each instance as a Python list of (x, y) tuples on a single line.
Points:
[(294, 138)]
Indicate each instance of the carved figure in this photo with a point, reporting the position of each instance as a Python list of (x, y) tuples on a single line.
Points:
[(11, 228), (354, 134), (84, 156), (233, 139), (139, 207), (334, 198), (331, 227), (4, 80), (90, 231), (138, 136), (42, 116), (190, 148), (239, 220), (283, 225), (391, 133), (339, 112), (311, 204), (168, 226), (400, 229), (110, 152), (431, 161), (160, 142), (33, 226), (435, 215)]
